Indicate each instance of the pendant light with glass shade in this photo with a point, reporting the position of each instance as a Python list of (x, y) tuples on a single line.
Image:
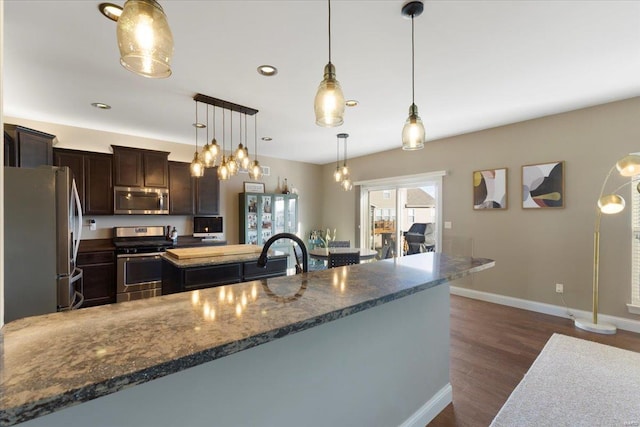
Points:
[(223, 169), (255, 170), (345, 183), (232, 161), (329, 102), (207, 156), (145, 39), (241, 154), (197, 167), (245, 161), (413, 133)]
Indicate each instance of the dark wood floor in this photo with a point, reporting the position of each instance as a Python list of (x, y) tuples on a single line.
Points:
[(492, 347)]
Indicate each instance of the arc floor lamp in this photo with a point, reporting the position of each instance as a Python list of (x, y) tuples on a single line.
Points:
[(608, 204)]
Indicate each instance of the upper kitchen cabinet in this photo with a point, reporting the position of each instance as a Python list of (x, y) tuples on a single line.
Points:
[(27, 148), (92, 172), (134, 167), (180, 189), (208, 193)]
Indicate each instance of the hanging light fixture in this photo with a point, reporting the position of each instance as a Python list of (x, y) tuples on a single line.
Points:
[(241, 153), (255, 170), (223, 169), (337, 175), (214, 148), (207, 157), (145, 39), (232, 161), (413, 134), (246, 161), (344, 171), (329, 102), (197, 167)]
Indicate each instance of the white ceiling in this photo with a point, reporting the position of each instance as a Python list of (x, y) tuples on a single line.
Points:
[(479, 64)]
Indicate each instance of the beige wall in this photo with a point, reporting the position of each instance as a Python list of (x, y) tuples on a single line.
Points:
[(303, 176), (533, 249)]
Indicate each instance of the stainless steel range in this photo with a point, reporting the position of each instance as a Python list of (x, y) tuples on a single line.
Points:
[(139, 266)]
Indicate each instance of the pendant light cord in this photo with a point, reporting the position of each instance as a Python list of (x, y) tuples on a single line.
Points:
[(329, 2), (223, 131), (207, 140), (255, 134), (413, 66), (338, 153), (345, 152), (196, 126)]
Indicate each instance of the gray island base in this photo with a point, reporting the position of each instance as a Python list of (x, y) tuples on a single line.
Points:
[(359, 345)]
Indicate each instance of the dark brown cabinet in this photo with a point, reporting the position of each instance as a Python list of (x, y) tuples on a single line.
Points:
[(92, 172), (180, 189), (27, 148), (180, 279), (99, 277), (134, 167), (207, 190)]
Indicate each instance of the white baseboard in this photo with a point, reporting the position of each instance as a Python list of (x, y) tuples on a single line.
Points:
[(431, 409), (540, 307)]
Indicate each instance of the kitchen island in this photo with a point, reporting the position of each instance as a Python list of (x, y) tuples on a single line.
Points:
[(360, 345), (198, 268)]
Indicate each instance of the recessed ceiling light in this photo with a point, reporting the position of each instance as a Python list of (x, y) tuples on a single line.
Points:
[(101, 105), (267, 70), (199, 125), (110, 10), (351, 103), (266, 138)]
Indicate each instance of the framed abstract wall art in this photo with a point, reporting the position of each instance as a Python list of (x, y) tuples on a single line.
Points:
[(543, 185), (490, 189)]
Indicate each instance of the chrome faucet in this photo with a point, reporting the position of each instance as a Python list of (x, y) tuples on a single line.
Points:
[(262, 261)]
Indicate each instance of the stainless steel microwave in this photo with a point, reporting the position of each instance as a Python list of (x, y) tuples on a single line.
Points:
[(140, 201)]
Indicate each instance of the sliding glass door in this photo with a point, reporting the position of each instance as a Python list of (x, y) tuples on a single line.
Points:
[(401, 216)]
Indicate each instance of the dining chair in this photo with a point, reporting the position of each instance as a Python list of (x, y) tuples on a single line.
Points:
[(343, 258), (339, 244)]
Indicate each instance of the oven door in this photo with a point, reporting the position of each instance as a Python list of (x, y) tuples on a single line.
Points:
[(138, 276)]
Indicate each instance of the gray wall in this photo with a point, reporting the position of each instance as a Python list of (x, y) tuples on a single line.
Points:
[(303, 176), (533, 249)]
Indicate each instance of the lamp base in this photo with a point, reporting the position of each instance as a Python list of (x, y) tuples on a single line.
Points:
[(599, 328)]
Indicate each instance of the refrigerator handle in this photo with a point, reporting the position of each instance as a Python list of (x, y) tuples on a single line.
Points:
[(78, 295), (78, 235)]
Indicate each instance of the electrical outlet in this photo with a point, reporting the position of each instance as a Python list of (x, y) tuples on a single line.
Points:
[(559, 288)]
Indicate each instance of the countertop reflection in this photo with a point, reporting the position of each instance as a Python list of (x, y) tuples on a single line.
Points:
[(54, 361)]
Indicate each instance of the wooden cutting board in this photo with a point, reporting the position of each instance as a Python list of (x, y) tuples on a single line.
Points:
[(209, 251)]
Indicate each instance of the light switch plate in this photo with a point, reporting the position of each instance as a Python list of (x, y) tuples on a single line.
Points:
[(447, 224)]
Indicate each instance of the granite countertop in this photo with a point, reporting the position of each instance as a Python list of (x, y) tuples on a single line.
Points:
[(220, 259), (54, 361)]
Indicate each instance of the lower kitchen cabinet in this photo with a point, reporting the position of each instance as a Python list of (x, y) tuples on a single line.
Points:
[(180, 279), (99, 277)]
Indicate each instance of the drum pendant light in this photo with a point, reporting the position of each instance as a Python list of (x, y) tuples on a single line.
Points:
[(413, 133), (255, 170), (145, 39), (329, 102), (197, 167)]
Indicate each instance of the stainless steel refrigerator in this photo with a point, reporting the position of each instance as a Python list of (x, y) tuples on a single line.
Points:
[(42, 229)]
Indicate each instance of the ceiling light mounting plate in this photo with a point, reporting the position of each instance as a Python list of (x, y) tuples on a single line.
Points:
[(412, 9)]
